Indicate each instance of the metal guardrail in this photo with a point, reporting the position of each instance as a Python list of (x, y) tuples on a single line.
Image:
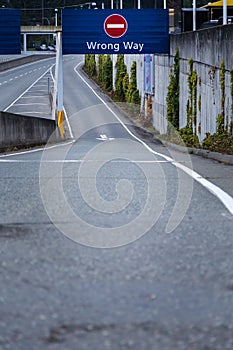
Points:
[(39, 29)]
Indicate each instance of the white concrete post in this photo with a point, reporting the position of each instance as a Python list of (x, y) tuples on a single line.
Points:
[(57, 110), (25, 42), (224, 12), (194, 15)]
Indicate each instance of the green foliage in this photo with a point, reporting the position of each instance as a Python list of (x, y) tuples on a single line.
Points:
[(104, 76), (121, 72), (231, 91), (132, 95), (126, 83), (221, 117), (107, 74), (173, 93), (192, 100), (101, 65), (219, 143), (222, 86), (189, 138), (90, 65), (220, 124)]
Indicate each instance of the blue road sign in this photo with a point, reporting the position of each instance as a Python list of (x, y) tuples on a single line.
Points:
[(9, 32), (128, 31)]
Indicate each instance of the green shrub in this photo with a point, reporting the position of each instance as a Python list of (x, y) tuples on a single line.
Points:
[(219, 143)]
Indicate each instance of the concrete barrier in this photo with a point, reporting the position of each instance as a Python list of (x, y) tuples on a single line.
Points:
[(15, 62), (19, 131)]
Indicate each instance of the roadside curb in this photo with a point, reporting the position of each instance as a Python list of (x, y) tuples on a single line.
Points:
[(220, 157)]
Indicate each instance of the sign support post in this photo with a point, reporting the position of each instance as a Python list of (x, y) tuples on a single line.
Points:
[(58, 111)]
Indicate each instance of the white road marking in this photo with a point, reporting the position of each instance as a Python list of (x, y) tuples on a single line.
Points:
[(30, 96), (30, 104), (104, 137), (32, 112), (79, 161), (224, 197), (68, 123), (41, 76)]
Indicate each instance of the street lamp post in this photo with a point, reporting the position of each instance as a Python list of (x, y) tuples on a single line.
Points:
[(56, 12), (42, 12)]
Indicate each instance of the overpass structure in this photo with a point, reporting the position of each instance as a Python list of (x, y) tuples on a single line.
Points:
[(37, 30)]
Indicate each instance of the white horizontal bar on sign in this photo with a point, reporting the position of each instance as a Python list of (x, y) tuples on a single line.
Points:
[(115, 25)]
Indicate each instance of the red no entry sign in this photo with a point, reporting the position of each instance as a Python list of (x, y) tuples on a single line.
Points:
[(115, 26)]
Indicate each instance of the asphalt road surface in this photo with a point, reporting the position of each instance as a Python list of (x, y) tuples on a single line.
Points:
[(112, 241), (25, 89)]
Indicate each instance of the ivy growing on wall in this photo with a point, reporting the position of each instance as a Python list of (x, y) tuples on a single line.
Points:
[(231, 91), (173, 93), (192, 100), (211, 74), (221, 117)]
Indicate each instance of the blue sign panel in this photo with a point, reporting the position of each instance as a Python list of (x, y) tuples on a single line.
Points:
[(115, 31), (9, 32), (149, 74)]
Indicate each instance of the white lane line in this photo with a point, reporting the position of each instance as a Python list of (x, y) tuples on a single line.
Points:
[(68, 124), (33, 112), (30, 96), (224, 197), (41, 76), (30, 104), (78, 161)]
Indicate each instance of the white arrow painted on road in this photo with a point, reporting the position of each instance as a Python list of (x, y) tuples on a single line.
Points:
[(104, 137)]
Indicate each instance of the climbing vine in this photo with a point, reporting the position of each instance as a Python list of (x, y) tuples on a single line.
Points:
[(221, 117), (192, 100), (211, 74), (173, 93), (231, 92)]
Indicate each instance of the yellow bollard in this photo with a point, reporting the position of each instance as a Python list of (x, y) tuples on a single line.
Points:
[(60, 123)]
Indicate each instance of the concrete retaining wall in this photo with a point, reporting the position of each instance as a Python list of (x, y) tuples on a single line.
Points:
[(17, 130), (207, 48)]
